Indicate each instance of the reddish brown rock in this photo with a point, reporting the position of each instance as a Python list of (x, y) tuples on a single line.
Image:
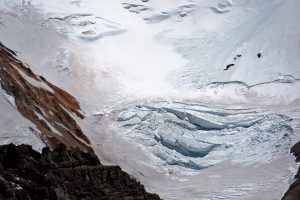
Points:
[(44, 104)]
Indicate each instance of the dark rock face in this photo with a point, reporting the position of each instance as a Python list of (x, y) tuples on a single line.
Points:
[(63, 174), (293, 192)]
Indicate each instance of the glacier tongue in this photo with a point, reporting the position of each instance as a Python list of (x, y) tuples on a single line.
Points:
[(197, 136)]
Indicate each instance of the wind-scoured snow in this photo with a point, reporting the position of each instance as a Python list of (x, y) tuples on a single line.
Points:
[(86, 27)]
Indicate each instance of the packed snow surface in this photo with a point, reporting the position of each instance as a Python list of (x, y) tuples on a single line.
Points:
[(199, 96)]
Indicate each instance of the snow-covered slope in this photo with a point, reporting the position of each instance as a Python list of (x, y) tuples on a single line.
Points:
[(152, 79), (16, 129), (134, 38)]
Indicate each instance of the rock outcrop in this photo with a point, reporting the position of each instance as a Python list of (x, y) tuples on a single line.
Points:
[(63, 174), (50, 108), (293, 192)]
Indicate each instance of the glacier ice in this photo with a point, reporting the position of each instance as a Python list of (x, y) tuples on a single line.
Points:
[(195, 136), (152, 76)]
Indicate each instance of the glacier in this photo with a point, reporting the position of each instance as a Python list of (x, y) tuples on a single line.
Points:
[(179, 133), (150, 78)]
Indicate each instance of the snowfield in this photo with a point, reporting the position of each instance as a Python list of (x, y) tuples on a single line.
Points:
[(152, 79)]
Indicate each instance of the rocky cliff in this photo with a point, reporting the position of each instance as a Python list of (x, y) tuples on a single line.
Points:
[(293, 192), (63, 174), (71, 170), (50, 108)]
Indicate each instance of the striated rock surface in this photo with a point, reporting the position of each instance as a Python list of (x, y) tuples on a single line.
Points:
[(50, 108), (63, 174), (293, 192)]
